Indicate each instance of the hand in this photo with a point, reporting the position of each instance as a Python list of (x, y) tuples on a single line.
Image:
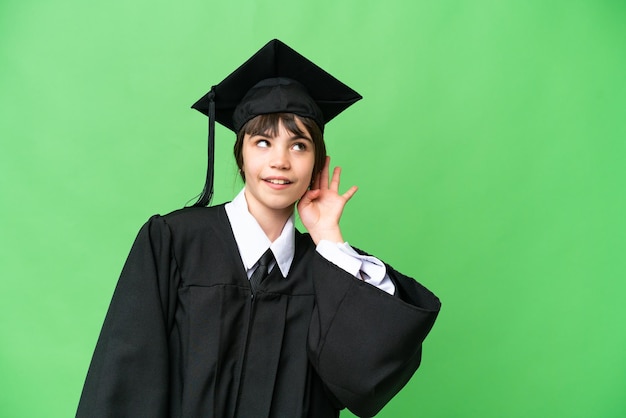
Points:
[(320, 208)]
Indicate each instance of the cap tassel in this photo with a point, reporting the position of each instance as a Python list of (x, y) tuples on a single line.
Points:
[(207, 192)]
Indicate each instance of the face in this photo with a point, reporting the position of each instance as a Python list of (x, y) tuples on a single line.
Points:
[(277, 170)]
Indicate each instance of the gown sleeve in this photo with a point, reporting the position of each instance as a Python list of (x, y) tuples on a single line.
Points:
[(364, 343), (128, 375)]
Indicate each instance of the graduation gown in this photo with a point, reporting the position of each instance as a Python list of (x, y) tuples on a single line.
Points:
[(185, 337)]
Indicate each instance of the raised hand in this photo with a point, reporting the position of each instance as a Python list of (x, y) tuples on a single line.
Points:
[(320, 208)]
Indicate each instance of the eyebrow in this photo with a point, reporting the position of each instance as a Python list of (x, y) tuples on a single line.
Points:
[(296, 136), (293, 137)]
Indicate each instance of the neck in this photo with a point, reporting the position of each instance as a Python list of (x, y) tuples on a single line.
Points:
[(271, 221)]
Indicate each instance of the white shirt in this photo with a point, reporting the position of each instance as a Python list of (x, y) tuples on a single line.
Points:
[(252, 244)]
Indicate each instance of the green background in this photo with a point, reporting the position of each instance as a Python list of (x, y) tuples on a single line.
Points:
[(490, 153)]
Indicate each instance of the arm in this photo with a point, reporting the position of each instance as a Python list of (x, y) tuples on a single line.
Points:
[(320, 209), (362, 266), (128, 375), (365, 344)]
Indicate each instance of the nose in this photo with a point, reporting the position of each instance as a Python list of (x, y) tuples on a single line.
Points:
[(280, 158)]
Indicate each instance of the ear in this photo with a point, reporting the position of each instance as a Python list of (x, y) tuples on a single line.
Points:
[(314, 181)]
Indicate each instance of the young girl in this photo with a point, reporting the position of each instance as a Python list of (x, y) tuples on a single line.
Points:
[(228, 311)]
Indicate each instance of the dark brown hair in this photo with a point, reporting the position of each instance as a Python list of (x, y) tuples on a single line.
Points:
[(269, 124)]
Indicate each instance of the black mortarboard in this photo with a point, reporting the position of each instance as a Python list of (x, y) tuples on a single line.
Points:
[(276, 79)]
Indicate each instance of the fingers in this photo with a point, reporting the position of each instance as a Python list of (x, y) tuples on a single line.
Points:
[(310, 196), (323, 183), (351, 191), (334, 182)]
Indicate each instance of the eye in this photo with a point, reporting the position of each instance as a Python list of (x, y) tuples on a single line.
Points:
[(262, 143), (299, 146)]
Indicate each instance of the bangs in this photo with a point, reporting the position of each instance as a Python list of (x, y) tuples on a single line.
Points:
[(269, 125)]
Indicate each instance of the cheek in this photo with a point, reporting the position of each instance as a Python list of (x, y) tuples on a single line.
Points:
[(246, 156), (309, 170), (247, 161)]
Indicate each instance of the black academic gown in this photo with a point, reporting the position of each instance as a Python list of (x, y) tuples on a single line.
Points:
[(185, 337)]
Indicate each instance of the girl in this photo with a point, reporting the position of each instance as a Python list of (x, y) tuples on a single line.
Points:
[(228, 311)]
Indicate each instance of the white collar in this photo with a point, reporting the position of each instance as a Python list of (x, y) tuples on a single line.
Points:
[(252, 241)]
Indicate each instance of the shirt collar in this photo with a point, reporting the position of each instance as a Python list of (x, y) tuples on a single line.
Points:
[(252, 241)]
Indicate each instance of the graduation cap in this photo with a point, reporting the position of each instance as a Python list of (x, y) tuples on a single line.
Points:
[(276, 79)]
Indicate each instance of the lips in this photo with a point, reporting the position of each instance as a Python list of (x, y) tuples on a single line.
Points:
[(277, 181)]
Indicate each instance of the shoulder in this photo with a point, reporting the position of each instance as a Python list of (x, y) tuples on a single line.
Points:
[(190, 220), (194, 215)]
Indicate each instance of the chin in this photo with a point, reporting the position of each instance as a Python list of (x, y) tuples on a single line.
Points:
[(283, 205)]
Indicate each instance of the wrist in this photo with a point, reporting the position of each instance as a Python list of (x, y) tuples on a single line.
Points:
[(332, 235)]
